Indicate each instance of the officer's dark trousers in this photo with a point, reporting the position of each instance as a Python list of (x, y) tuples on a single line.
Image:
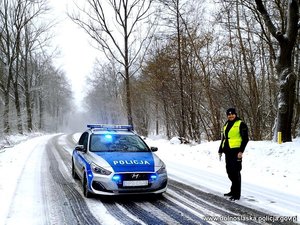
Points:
[(233, 169)]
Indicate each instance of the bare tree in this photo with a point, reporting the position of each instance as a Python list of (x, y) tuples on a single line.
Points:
[(158, 77), (286, 37), (28, 78), (105, 105), (55, 93), (15, 16), (36, 37), (7, 58), (173, 18), (121, 36)]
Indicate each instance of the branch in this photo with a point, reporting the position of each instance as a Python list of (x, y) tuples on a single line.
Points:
[(292, 20), (266, 17)]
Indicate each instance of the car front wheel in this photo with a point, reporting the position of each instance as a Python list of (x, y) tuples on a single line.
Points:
[(86, 191), (74, 174)]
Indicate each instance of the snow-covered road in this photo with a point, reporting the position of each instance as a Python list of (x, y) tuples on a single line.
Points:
[(36, 187)]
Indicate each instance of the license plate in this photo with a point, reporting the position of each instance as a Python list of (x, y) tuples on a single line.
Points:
[(135, 183)]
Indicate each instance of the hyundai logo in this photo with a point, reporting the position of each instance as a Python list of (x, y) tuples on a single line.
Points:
[(135, 176)]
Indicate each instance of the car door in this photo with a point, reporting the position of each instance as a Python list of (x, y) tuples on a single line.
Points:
[(80, 156)]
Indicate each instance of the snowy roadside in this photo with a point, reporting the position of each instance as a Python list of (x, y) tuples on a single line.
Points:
[(265, 162), (12, 140), (12, 163), (270, 174)]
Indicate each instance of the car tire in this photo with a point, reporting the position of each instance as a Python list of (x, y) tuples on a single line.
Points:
[(74, 174), (85, 187)]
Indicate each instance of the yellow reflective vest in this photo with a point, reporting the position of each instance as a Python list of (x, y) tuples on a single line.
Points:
[(234, 136)]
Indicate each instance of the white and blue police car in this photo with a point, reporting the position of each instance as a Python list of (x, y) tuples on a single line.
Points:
[(114, 160)]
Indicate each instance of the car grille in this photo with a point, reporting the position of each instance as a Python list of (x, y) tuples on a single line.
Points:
[(135, 176)]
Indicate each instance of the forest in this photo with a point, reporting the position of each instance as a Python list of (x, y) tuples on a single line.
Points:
[(34, 94), (172, 67)]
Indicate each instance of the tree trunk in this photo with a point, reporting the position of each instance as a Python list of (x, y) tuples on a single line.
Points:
[(16, 87), (182, 110), (284, 66), (18, 109), (167, 119), (27, 96), (156, 120), (286, 100), (41, 111), (27, 85), (128, 101), (127, 86), (6, 113), (6, 102)]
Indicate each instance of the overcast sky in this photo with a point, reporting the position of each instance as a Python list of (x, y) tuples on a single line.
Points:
[(77, 55)]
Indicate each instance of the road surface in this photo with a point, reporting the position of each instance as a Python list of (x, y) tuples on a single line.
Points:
[(46, 193)]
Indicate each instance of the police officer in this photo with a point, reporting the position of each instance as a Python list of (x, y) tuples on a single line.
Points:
[(233, 143)]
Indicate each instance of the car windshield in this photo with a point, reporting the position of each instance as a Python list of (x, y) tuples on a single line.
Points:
[(117, 143)]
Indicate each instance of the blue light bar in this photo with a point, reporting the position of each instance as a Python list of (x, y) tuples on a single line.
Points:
[(110, 127), (117, 178), (153, 176), (108, 136)]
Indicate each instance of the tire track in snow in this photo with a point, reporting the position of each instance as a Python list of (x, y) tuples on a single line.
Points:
[(111, 207), (75, 211), (219, 206), (181, 204)]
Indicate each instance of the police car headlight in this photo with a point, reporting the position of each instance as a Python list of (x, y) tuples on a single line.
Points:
[(162, 169), (100, 170)]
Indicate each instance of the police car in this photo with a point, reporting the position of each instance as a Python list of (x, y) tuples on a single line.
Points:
[(114, 160)]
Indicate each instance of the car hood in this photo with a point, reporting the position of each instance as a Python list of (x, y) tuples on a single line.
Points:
[(129, 161)]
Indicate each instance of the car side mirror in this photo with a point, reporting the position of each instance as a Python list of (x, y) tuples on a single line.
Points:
[(153, 149), (80, 148)]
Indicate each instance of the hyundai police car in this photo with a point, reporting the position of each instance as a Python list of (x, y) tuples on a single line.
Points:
[(114, 160)]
